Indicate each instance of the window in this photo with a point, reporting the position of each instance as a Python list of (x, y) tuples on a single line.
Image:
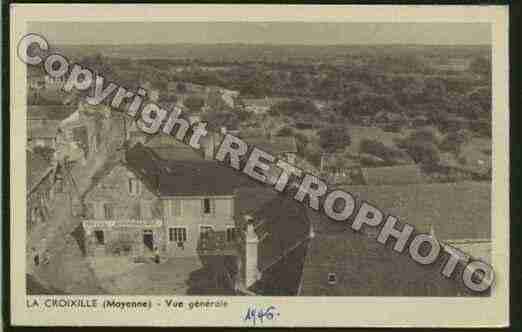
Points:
[(178, 234), (134, 186), (204, 232), (108, 211), (231, 233), (206, 206), (99, 236), (332, 278)]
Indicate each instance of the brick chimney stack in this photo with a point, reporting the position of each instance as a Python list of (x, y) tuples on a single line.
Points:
[(207, 143)]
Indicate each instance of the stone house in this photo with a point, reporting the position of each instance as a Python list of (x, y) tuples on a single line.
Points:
[(39, 188), (89, 130), (143, 205)]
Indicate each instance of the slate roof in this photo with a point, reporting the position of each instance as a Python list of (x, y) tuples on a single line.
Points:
[(455, 211), (282, 228), (37, 168), (284, 277), (169, 148), (49, 112), (402, 174), (182, 177), (187, 178), (47, 131), (363, 267)]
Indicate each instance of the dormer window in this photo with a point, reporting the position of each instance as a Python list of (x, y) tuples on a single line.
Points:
[(332, 278)]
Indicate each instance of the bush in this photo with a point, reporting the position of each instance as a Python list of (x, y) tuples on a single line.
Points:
[(285, 131), (194, 103), (334, 138), (294, 108), (423, 153), (46, 152), (378, 149), (454, 140)]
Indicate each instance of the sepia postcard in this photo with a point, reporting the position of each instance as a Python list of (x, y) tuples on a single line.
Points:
[(259, 165)]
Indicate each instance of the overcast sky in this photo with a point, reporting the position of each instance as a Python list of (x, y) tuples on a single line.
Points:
[(262, 33)]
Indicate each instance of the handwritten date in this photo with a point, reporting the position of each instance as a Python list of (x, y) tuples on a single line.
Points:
[(259, 315)]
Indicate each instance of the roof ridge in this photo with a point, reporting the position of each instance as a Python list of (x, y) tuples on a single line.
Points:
[(285, 253)]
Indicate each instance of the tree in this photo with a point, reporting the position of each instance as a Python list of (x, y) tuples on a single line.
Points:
[(481, 65), (216, 120), (481, 96), (99, 64), (454, 141), (285, 131), (294, 108), (46, 152), (421, 145), (181, 87), (334, 138), (373, 147), (369, 104), (423, 153), (427, 136), (194, 103)]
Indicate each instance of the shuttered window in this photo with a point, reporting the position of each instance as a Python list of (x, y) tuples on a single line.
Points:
[(208, 206), (178, 234), (205, 231), (231, 233), (108, 210)]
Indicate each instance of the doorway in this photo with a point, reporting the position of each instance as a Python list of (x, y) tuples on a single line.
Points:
[(148, 239), (99, 236)]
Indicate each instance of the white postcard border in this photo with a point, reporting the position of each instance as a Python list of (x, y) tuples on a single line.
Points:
[(295, 311)]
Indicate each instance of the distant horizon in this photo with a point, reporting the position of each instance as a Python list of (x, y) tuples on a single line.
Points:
[(263, 33)]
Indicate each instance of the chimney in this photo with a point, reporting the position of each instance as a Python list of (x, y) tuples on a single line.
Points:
[(251, 243), (208, 145)]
